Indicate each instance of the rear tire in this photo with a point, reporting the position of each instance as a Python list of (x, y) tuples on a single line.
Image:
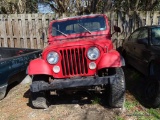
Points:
[(117, 90)]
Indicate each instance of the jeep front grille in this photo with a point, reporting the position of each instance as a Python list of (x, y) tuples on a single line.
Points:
[(74, 61)]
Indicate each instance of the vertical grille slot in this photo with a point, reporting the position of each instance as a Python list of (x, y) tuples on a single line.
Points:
[(74, 61), (85, 62)]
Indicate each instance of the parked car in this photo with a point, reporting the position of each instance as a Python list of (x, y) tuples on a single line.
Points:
[(80, 55), (12, 62), (142, 51)]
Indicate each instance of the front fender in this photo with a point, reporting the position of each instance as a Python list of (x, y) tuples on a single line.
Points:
[(111, 59), (39, 66)]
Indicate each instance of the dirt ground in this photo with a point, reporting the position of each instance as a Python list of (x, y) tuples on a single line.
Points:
[(15, 106), (78, 106)]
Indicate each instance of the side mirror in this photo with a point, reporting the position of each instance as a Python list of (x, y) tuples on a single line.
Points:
[(117, 29)]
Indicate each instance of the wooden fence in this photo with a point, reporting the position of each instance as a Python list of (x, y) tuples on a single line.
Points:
[(25, 30)]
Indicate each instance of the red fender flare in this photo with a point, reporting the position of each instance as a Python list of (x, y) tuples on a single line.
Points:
[(111, 59), (39, 66)]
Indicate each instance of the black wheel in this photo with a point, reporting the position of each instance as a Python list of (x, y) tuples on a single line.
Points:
[(117, 90), (152, 93), (154, 71), (39, 99), (152, 88), (3, 92)]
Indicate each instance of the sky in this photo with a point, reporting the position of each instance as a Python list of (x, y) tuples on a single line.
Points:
[(44, 8)]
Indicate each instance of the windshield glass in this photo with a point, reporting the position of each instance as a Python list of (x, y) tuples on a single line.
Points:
[(79, 26), (155, 36)]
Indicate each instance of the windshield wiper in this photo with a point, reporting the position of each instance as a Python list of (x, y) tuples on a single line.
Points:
[(84, 28), (61, 32)]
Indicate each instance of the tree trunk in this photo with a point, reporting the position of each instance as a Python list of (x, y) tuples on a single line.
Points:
[(93, 6)]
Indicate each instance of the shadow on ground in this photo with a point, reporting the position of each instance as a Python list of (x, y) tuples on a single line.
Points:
[(82, 105), (15, 80), (135, 84), (79, 97)]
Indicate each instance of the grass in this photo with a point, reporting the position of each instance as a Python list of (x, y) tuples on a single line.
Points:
[(52, 119), (12, 117), (155, 113), (135, 110), (119, 118), (96, 100), (129, 105)]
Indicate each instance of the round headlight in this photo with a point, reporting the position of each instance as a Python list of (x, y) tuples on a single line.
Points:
[(93, 53), (52, 57)]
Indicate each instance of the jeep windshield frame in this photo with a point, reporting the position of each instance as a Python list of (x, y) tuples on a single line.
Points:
[(74, 26)]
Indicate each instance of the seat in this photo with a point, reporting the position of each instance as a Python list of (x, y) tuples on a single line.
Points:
[(69, 31)]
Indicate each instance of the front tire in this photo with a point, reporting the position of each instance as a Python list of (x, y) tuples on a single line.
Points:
[(152, 93), (39, 99), (117, 90), (152, 89)]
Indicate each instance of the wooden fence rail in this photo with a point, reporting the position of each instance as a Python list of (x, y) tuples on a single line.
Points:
[(25, 30)]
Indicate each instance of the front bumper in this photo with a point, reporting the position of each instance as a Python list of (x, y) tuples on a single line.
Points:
[(37, 86)]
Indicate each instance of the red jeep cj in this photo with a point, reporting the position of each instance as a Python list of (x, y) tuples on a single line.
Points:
[(80, 54)]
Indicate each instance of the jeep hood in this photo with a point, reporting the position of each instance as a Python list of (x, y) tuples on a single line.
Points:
[(104, 43)]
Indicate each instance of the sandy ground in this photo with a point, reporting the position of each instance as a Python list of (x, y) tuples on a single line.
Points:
[(79, 106)]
